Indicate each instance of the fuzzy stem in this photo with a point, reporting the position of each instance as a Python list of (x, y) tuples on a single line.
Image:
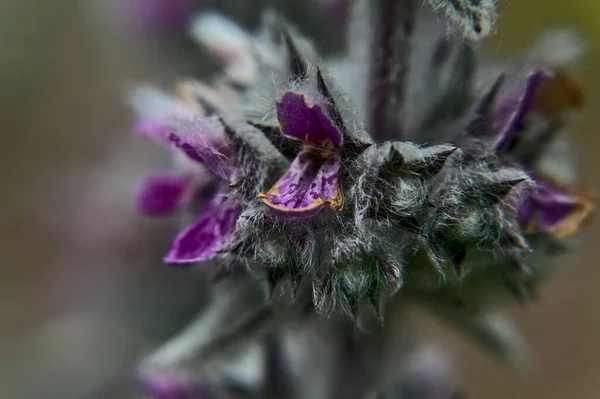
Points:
[(216, 329), (406, 25), (394, 23), (359, 362), (278, 378), (385, 27), (248, 328)]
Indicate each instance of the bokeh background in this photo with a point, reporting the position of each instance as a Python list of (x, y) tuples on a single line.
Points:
[(82, 290)]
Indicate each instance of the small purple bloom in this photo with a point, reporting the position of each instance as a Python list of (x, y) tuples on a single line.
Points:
[(198, 139), (551, 208), (555, 209), (312, 181)]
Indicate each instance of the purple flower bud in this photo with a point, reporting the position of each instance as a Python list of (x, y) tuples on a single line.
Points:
[(512, 108)]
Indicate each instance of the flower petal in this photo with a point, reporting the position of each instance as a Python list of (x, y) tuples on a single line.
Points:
[(165, 386), (306, 120), (162, 194), (211, 230), (155, 110), (306, 188), (210, 151), (198, 138), (555, 209), (513, 107)]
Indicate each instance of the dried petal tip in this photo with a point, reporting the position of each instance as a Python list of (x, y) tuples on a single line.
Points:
[(559, 94), (556, 209), (306, 188)]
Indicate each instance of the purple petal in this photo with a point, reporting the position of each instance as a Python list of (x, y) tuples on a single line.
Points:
[(513, 107), (306, 120), (164, 386), (163, 194), (154, 128), (198, 138), (210, 151), (209, 233), (555, 209), (309, 185)]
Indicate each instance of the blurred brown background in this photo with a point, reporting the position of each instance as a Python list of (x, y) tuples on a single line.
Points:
[(78, 280)]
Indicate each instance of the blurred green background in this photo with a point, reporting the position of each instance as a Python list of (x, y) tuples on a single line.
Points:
[(75, 300)]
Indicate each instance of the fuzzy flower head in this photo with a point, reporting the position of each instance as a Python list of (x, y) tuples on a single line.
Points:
[(409, 165)]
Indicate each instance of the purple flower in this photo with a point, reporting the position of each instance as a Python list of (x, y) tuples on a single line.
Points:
[(550, 207), (201, 143), (312, 181), (555, 209)]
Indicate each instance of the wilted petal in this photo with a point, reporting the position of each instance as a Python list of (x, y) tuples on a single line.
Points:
[(305, 119), (556, 210), (309, 185), (559, 94), (162, 194), (211, 230), (513, 107)]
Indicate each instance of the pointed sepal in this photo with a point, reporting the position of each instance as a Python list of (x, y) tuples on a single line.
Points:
[(287, 147)]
